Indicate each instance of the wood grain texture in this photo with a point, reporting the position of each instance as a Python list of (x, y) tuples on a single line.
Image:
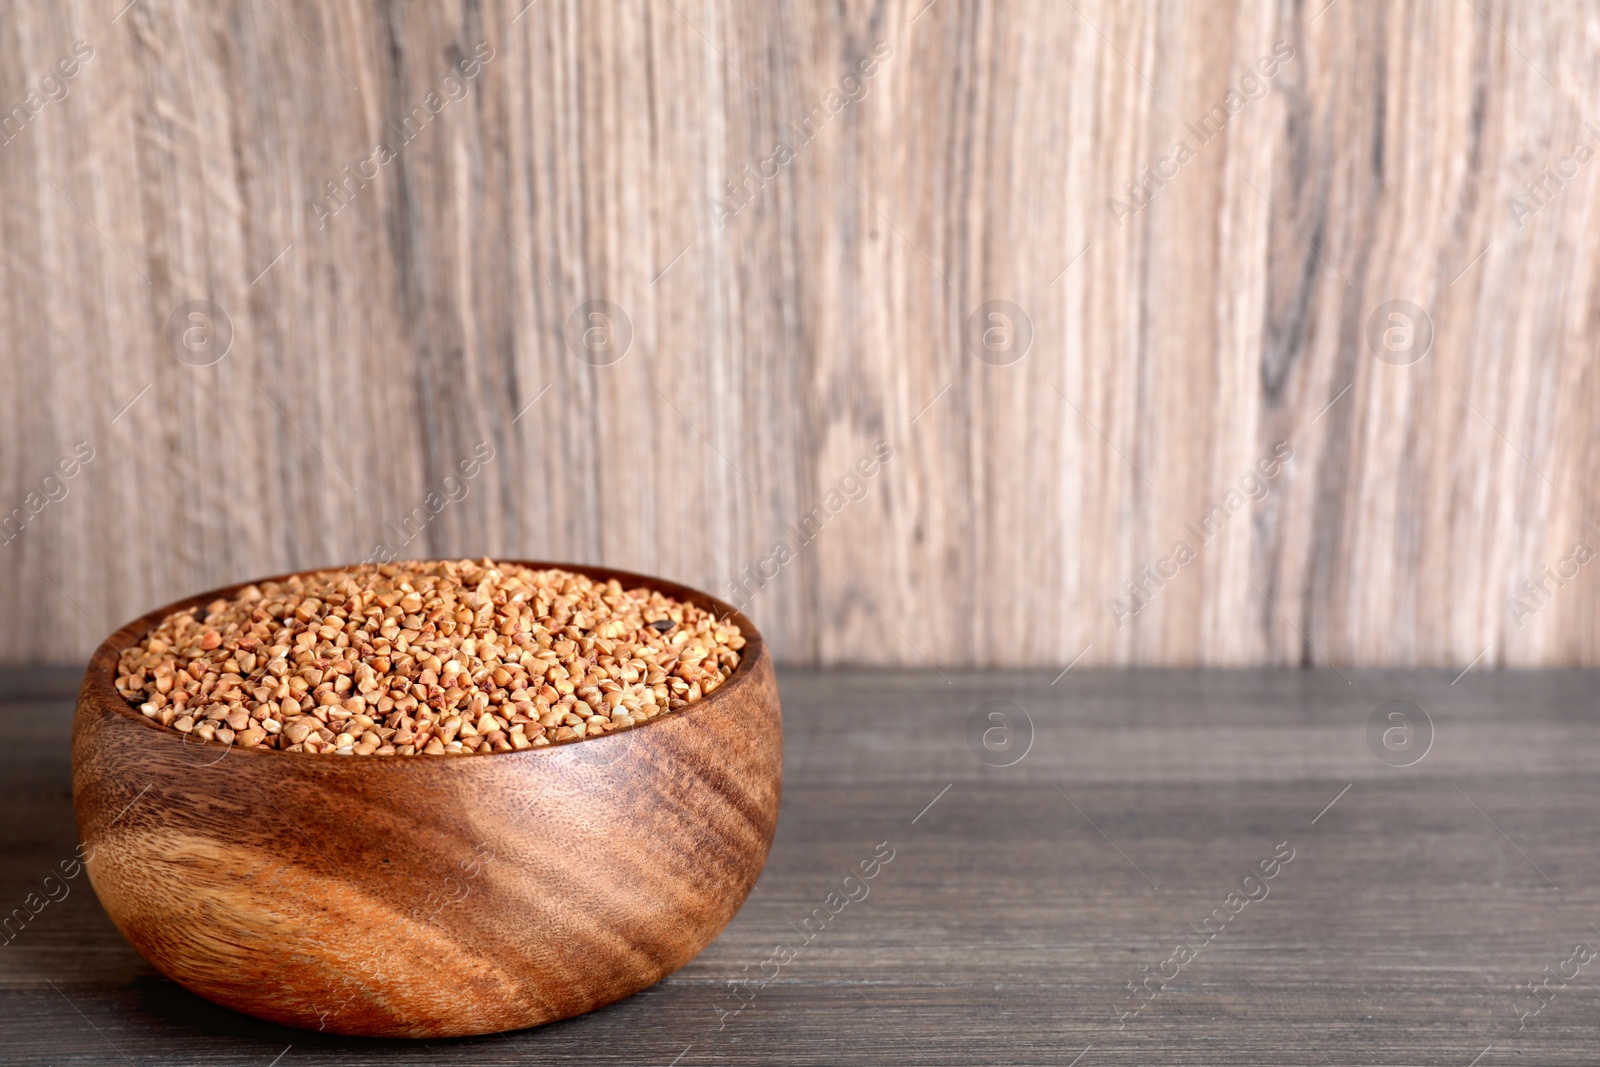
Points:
[(427, 896), (600, 153), (1007, 928)]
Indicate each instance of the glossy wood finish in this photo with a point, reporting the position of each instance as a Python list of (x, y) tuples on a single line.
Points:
[(428, 896)]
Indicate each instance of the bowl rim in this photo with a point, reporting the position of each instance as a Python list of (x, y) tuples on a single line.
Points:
[(100, 675)]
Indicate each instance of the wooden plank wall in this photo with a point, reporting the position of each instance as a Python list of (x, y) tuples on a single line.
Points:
[(1082, 266)]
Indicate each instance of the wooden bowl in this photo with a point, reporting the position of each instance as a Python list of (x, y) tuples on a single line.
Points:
[(428, 896)]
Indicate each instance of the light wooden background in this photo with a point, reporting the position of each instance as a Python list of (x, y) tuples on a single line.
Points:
[(1169, 353)]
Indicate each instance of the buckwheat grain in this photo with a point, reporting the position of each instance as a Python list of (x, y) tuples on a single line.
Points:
[(426, 657)]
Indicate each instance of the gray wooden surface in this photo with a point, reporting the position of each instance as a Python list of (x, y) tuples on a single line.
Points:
[(1021, 900), (1174, 344)]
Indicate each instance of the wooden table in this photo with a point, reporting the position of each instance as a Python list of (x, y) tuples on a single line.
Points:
[(1023, 903)]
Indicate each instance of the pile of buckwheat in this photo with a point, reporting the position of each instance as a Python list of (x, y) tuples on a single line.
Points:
[(426, 657)]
